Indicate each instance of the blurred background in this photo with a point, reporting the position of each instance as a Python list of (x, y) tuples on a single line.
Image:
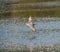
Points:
[(24, 8)]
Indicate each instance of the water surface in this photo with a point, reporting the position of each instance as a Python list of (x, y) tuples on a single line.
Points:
[(13, 31)]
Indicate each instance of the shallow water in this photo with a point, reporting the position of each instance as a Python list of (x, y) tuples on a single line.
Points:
[(13, 31)]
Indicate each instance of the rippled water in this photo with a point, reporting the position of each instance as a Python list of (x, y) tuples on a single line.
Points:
[(13, 31), (6, 8), (56, 3)]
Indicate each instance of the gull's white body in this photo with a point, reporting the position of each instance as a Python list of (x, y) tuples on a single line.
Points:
[(30, 24)]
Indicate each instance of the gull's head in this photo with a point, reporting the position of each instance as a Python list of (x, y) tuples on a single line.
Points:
[(30, 19)]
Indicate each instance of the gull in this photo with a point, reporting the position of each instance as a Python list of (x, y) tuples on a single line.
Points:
[(31, 24)]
